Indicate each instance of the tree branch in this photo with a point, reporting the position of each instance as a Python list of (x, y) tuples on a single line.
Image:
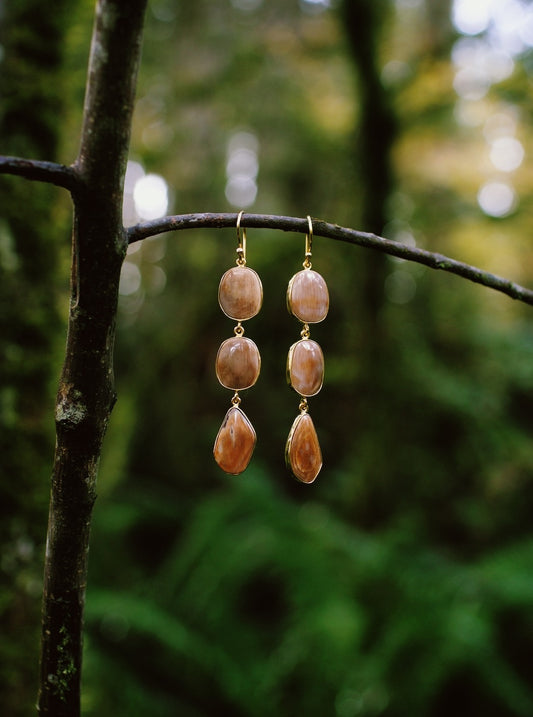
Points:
[(333, 231), (58, 174)]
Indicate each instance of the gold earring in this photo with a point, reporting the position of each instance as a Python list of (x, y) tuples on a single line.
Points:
[(238, 362), (308, 301)]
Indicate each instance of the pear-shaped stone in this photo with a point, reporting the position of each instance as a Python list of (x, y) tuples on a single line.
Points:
[(302, 452), (240, 293), (238, 363), (235, 442), (305, 367), (308, 297)]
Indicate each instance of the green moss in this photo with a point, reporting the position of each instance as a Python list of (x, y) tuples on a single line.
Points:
[(66, 669)]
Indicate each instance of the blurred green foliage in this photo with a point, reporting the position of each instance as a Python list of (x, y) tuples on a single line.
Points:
[(33, 248), (400, 583), (264, 607)]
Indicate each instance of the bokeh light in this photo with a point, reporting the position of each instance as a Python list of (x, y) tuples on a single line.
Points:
[(479, 65), (242, 168), (471, 17), (314, 6), (130, 279), (146, 196), (497, 199), (150, 195), (507, 153), (508, 24)]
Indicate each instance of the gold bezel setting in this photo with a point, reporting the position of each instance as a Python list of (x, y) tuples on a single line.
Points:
[(289, 372)]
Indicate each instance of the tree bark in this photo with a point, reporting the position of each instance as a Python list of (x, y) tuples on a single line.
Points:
[(363, 23), (86, 391)]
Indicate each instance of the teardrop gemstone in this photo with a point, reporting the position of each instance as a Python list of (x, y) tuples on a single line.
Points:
[(235, 442), (305, 367), (302, 452), (240, 293), (238, 363), (308, 297)]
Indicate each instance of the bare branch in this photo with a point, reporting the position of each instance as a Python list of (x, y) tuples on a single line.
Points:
[(50, 172), (333, 231)]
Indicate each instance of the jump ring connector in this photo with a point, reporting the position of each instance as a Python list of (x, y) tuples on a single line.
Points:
[(303, 406), (236, 400), (241, 241)]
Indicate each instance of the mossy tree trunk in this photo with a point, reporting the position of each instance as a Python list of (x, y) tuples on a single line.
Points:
[(86, 392)]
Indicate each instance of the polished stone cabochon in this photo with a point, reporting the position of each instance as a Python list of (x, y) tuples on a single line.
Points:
[(305, 367), (235, 442), (302, 452), (238, 363), (308, 297), (240, 293)]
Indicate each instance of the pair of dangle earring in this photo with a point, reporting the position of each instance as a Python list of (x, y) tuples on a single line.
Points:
[(308, 301), (238, 362)]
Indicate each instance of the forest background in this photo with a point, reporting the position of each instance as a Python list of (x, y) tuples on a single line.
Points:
[(400, 582)]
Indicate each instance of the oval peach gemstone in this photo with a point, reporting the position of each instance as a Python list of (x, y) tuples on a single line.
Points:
[(235, 442), (238, 363), (240, 293), (305, 367), (302, 453), (308, 297)]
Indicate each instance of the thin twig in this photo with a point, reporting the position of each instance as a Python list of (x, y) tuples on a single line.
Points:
[(50, 172), (333, 231)]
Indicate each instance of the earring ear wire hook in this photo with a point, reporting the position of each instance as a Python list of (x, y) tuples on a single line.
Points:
[(241, 241), (308, 244)]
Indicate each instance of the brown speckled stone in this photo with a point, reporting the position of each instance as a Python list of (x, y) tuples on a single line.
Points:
[(302, 453), (238, 363), (235, 442), (305, 367), (308, 297), (240, 293)]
